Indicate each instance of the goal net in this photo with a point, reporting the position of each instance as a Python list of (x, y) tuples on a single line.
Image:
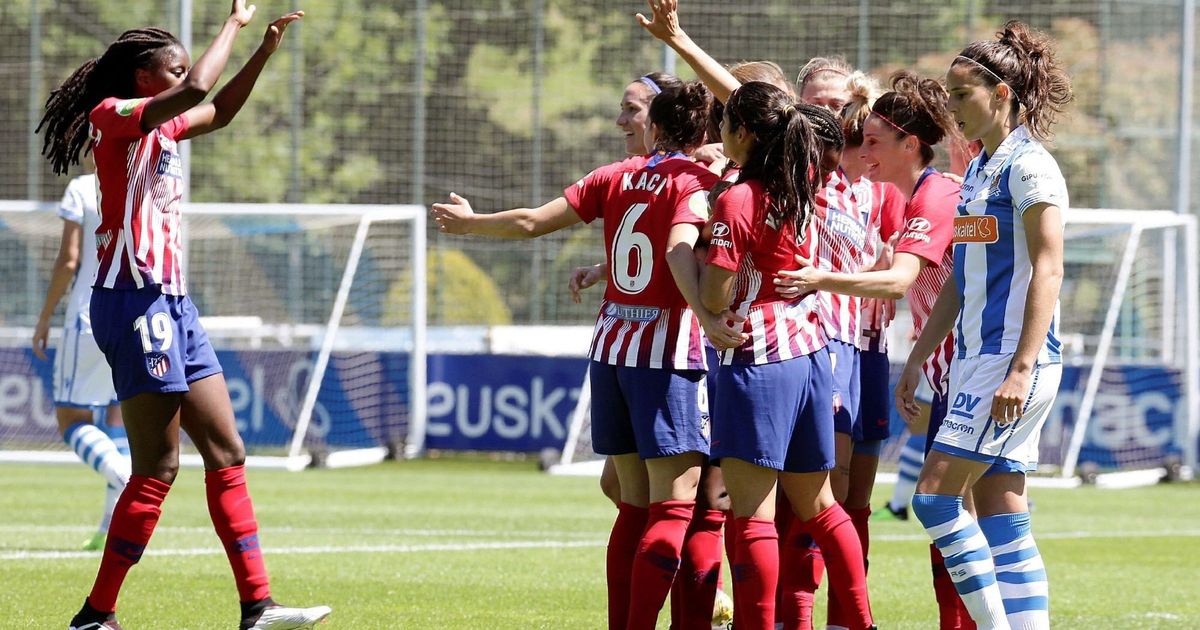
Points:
[(317, 313), (1128, 323)]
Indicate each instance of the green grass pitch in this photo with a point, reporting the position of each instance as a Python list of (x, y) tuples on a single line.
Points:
[(467, 543)]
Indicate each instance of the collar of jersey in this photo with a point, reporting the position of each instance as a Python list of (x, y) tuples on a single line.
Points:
[(660, 156), (1006, 149)]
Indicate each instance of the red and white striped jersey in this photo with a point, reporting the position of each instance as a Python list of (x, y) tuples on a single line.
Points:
[(747, 241), (839, 230), (928, 232), (884, 205), (141, 184), (644, 320)]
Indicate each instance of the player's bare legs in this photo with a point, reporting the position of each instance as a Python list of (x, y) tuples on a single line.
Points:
[(206, 414)]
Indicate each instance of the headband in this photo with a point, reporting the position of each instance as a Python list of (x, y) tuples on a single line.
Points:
[(991, 72), (650, 84), (897, 127), (825, 69)]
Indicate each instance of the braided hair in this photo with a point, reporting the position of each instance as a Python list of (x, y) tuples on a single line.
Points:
[(111, 74), (826, 126)]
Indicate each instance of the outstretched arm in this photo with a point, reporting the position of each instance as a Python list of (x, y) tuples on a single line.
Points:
[(203, 76), (210, 117), (891, 283), (665, 27), (457, 217)]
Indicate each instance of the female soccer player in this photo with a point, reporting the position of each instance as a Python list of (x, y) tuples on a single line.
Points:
[(140, 98), (1002, 307), (89, 419), (694, 591), (648, 362), (772, 421), (898, 139)]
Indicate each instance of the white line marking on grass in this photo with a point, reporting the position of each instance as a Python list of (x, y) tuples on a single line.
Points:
[(325, 549), (1186, 533), (378, 531)]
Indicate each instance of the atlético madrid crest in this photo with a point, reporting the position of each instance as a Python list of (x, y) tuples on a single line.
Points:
[(158, 364)]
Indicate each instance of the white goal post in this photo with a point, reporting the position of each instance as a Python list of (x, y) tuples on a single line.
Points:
[(1130, 325), (317, 311)]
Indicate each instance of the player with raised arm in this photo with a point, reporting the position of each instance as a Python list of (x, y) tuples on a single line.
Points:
[(130, 107), (1002, 308), (696, 598), (85, 404), (647, 358), (773, 419), (898, 139)]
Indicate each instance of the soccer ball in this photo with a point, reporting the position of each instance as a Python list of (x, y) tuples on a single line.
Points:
[(722, 611)]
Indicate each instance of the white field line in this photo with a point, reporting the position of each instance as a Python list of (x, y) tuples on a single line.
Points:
[(595, 541), (350, 531), (215, 551)]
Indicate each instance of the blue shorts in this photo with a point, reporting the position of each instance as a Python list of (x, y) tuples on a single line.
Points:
[(714, 361), (776, 415), (937, 412), (874, 409), (651, 412), (846, 394), (152, 342)]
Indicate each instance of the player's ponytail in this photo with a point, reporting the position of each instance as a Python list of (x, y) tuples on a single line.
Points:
[(1024, 60), (864, 90), (681, 116), (111, 74), (917, 107), (785, 155)]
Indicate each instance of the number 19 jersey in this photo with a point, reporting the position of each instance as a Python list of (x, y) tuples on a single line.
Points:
[(644, 321)]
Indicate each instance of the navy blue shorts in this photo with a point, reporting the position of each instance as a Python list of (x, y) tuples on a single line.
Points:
[(843, 357), (651, 412), (152, 342), (937, 412), (875, 409), (776, 415)]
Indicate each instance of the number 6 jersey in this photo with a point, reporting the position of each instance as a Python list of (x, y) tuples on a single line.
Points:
[(644, 320)]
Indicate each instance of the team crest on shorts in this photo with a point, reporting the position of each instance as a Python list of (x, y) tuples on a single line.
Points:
[(158, 364)]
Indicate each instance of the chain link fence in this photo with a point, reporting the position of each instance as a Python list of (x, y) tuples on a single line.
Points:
[(508, 101)]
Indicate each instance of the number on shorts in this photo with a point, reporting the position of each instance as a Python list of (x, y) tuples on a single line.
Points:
[(159, 327), (626, 241)]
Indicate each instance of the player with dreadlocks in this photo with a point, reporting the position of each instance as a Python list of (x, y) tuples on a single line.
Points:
[(129, 108)]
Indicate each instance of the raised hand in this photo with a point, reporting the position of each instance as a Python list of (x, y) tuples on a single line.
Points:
[(665, 23), (453, 217), (275, 30), (241, 13)]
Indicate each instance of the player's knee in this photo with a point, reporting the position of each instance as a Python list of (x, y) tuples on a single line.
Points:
[(611, 488)]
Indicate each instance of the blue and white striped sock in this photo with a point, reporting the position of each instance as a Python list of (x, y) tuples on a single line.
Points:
[(1020, 571), (98, 451), (912, 458), (968, 558)]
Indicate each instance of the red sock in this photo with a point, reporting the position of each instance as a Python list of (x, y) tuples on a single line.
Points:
[(232, 515), (755, 574), (952, 613), (622, 546), (835, 535), (699, 572), (657, 561), (859, 518), (133, 521), (801, 569), (783, 524)]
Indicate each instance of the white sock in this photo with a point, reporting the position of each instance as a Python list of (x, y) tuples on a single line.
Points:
[(97, 450)]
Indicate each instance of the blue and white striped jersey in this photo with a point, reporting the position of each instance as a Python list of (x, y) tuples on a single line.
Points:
[(991, 257)]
